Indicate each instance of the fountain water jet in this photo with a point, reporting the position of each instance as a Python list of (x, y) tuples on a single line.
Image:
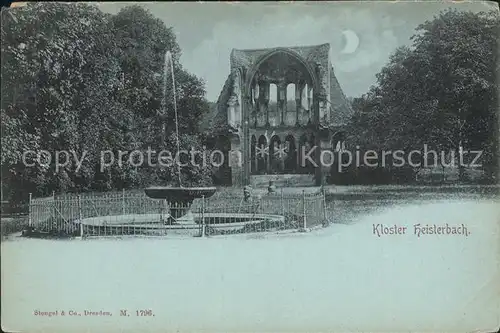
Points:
[(179, 198)]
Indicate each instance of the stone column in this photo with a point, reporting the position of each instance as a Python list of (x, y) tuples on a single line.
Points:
[(231, 117), (265, 98), (281, 157), (256, 108), (314, 114), (236, 158), (256, 159), (246, 121), (267, 157), (298, 101), (282, 101)]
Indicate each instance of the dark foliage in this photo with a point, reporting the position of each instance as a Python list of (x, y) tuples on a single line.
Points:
[(78, 80)]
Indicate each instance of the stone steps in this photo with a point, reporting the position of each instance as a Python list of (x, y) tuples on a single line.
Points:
[(284, 180)]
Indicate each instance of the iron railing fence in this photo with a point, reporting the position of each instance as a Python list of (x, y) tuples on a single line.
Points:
[(133, 213)]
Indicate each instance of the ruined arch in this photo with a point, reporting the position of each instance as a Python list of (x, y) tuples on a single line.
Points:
[(309, 68), (286, 51)]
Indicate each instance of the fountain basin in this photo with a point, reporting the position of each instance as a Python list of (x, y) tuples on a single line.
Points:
[(143, 224), (179, 199)]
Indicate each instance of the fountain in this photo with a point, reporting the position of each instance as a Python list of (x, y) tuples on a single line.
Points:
[(136, 216), (179, 198), (180, 221)]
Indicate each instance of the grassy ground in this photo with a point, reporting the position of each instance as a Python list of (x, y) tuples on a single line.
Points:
[(346, 203)]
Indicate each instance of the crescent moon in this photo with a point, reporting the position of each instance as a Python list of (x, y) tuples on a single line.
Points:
[(351, 42)]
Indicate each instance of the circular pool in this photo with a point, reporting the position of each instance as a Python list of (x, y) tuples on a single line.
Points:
[(162, 224)]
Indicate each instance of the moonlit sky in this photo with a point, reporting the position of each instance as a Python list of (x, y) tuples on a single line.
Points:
[(206, 33)]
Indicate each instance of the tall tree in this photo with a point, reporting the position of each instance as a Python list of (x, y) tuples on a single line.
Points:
[(143, 41), (77, 80), (441, 91), (55, 73)]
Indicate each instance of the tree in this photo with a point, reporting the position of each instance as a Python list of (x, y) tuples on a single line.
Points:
[(55, 74), (77, 80), (143, 41), (441, 91)]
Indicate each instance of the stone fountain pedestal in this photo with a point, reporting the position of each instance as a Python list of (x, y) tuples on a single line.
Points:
[(179, 200)]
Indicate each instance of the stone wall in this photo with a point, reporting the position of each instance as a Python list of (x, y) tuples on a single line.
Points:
[(331, 104), (335, 110), (294, 180), (341, 110)]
